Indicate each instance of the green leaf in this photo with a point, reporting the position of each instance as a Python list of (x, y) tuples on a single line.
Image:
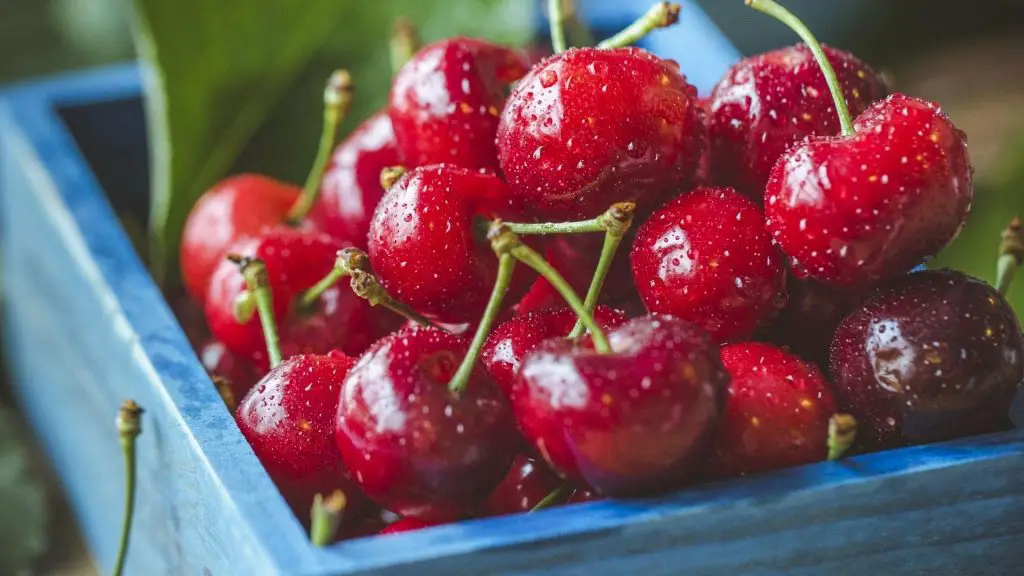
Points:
[(23, 504), (235, 85)]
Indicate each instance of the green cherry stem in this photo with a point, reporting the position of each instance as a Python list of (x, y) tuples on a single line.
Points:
[(405, 41), (129, 426), (556, 496), (506, 265), (615, 222), (390, 175), (337, 101), (575, 29), (556, 19), (775, 10), (255, 273), (661, 15), (366, 286), (1011, 254), (348, 260), (543, 228), (325, 517), (842, 431)]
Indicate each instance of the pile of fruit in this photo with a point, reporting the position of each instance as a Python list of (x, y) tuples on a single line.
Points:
[(440, 324)]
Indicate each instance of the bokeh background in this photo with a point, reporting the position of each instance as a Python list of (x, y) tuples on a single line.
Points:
[(969, 56)]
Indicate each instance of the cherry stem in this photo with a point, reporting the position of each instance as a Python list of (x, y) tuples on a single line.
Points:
[(390, 175), (556, 18), (577, 32), (506, 265), (1011, 254), (544, 228), (337, 101), (348, 260), (661, 15), (325, 517), (773, 9), (504, 240), (255, 273), (556, 496), (615, 222), (129, 426), (405, 41), (842, 431), (366, 286)]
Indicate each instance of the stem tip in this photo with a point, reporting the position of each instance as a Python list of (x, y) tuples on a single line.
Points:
[(842, 431), (390, 175), (129, 419)]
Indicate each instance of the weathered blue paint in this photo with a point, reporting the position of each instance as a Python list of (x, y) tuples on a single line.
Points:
[(86, 328)]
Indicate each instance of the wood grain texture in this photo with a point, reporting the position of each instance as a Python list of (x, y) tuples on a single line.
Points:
[(87, 328)]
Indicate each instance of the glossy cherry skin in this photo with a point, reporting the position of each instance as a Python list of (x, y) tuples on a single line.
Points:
[(527, 483), (812, 313), (768, 102), (220, 362), (511, 341), (580, 496), (426, 247), (295, 261), (626, 423), (445, 101), (856, 210), (590, 127), (413, 446), (351, 189), (407, 525), (935, 355), (236, 208), (288, 419), (706, 257), (776, 412)]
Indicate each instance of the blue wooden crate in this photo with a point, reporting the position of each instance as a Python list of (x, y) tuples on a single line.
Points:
[(86, 327)]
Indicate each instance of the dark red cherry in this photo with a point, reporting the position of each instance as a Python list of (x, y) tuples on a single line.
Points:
[(935, 355), (511, 341), (527, 483), (351, 189), (288, 419), (629, 422), (579, 496), (859, 209), (445, 101), (590, 127), (768, 102), (812, 313), (236, 208), (706, 257), (776, 412), (411, 444), (238, 372), (426, 245), (407, 525), (295, 260)]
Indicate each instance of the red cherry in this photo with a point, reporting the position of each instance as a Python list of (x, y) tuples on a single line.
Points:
[(706, 257), (629, 422), (776, 412), (579, 496), (590, 127), (288, 419), (768, 102), (351, 189), (936, 355), (812, 313), (426, 248), (236, 208), (510, 342), (859, 209), (528, 482), (407, 525), (445, 101), (295, 260), (220, 362), (412, 445)]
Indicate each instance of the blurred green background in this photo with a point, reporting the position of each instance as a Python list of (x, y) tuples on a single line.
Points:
[(969, 56)]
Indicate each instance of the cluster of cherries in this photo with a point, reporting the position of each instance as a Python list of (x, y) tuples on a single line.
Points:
[(778, 217)]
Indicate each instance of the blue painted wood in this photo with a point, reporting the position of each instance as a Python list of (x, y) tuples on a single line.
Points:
[(86, 328)]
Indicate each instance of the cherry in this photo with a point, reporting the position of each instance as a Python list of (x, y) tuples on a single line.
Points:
[(511, 341), (288, 420), (425, 246), (812, 313), (407, 525), (776, 415), (295, 261), (705, 257), (527, 483), (768, 102), (236, 374), (351, 188), (933, 356), (627, 422), (413, 445), (237, 207), (868, 205), (580, 496), (592, 126), (445, 101)]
